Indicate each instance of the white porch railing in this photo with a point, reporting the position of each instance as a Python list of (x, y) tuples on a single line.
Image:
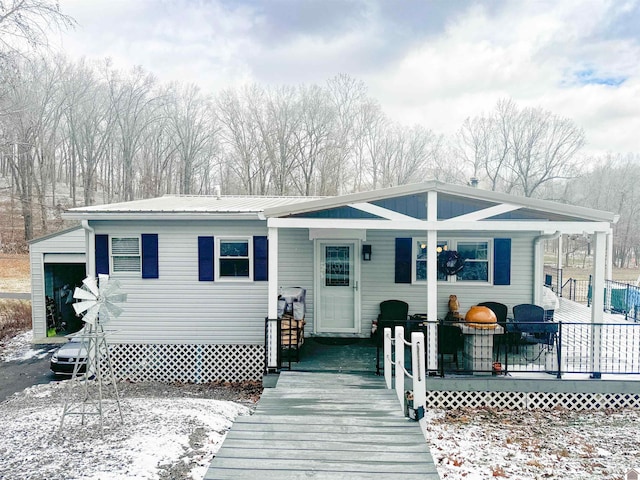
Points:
[(414, 404)]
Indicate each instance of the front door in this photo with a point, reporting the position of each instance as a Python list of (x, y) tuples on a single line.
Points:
[(337, 287)]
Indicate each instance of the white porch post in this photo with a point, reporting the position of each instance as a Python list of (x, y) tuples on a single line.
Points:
[(272, 301), (559, 266), (432, 283), (597, 302), (609, 272)]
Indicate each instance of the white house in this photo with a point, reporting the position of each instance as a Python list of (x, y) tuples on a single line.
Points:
[(203, 272)]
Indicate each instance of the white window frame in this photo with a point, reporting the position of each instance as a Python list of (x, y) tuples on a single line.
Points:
[(112, 265), (452, 244), (217, 258), (489, 261)]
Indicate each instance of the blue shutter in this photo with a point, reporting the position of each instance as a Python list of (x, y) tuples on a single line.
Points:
[(403, 260), (260, 259), (102, 254), (502, 261), (150, 255), (205, 259)]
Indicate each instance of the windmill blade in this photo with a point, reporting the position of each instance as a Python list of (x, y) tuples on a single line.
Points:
[(116, 298), (111, 309), (80, 307), (90, 283), (103, 316), (103, 283), (111, 287), (82, 294), (92, 314)]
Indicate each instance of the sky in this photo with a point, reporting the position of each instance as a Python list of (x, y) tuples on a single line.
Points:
[(429, 62)]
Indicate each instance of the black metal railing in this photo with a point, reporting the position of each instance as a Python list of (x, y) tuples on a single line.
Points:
[(555, 348)]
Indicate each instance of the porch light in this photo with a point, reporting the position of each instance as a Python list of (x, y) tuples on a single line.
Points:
[(366, 253)]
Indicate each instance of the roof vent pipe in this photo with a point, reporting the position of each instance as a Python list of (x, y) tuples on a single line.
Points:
[(473, 182), (217, 190)]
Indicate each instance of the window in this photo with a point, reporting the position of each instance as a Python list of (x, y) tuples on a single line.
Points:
[(234, 259), (420, 255), (125, 254), (476, 253)]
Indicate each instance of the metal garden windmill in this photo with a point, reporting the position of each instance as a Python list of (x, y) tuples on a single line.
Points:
[(97, 303)]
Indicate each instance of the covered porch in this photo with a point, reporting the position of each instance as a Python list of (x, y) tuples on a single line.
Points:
[(354, 251)]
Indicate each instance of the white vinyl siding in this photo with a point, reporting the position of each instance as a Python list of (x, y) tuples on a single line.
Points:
[(177, 307), (295, 257), (69, 243)]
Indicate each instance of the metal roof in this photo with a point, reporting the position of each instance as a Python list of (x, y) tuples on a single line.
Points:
[(245, 207), (167, 205)]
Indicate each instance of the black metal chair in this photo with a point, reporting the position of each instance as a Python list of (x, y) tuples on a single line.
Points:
[(529, 321), (501, 311), (392, 313), (450, 341)]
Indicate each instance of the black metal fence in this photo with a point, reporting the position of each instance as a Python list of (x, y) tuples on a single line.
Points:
[(555, 348)]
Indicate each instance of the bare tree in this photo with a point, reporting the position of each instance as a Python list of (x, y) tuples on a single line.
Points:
[(520, 150), (136, 108), (27, 24), (239, 115)]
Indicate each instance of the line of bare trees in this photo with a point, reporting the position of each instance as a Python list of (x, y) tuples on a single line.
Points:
[(78, 133), (109, 136)]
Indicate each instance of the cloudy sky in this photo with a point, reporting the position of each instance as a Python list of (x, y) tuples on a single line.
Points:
[(429, 62)]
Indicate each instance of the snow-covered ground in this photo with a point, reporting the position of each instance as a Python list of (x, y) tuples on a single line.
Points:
[(173, 432), (478, 444)]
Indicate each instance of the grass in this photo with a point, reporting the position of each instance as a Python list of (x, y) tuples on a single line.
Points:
[(15, 276), (15, 317)]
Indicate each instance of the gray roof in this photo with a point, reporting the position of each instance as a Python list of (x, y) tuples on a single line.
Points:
[(239, 207), (54, 234), (183, 205)]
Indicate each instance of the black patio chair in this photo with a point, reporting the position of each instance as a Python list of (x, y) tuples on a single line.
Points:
[(450, 341), (529, 320), (392, 313), (501, 311)]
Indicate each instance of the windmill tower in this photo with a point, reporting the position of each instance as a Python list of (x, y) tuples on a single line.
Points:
[(86, 392)]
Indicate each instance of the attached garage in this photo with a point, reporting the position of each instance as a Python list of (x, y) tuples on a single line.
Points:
[(58, 265)]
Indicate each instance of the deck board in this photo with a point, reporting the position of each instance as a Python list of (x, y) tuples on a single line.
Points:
[(325, 426)]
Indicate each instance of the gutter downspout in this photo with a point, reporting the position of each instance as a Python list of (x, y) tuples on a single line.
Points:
[(538, 265), (89, 248)]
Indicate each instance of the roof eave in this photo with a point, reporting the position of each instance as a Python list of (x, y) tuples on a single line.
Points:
[(161, 215)]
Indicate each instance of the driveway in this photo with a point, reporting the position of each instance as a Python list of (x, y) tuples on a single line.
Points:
[(32, 368)]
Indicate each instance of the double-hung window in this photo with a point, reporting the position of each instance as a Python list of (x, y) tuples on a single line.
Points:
[(476, 253), (476, 265), (420, 253), (125, 254), (234, 259)]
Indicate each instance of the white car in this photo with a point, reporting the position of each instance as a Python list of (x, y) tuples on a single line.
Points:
[(64, 360)]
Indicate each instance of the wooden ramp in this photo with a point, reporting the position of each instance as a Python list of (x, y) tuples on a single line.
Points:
[(325, 426)]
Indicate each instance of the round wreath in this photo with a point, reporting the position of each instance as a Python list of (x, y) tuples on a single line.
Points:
[(450, 262)]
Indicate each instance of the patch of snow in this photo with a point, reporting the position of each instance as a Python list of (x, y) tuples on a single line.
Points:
[(158, 435), (475, 444), (20, 348)]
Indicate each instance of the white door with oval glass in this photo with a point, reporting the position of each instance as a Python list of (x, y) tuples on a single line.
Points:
[(337, 278)]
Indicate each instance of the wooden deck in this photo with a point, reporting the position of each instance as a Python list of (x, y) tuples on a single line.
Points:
[(325, 426)]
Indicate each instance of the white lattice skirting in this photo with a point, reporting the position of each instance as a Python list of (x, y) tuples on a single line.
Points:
[(531, 400), (187, 363)]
